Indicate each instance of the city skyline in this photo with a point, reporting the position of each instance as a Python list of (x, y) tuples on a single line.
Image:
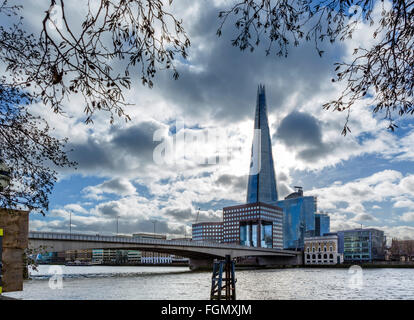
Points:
[(363, 178)]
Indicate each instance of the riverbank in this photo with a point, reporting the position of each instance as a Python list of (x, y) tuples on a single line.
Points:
[(2, 297), (362, 265), (123, 265)]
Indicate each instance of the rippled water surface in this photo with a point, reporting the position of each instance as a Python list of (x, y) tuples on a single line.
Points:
[(104, 282)]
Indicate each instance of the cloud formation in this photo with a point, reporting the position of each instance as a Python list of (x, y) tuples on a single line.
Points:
[(217, 90)]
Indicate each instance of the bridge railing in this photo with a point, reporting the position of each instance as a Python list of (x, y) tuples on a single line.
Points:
[(135, 240)]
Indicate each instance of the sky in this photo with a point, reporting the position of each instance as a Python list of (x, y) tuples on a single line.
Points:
[(134, 170)]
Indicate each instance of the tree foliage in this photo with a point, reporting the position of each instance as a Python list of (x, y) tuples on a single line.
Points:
[(383, 71), (30, 152)]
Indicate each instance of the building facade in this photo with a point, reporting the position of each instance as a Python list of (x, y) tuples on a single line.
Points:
[(79, 255), (134, 256), (97, 256), (322, 250), (156, 258), (362, 245), (51, 258), (254, 225), (207, 231), (322, 224), (401, 250), (298, 219), (261, 186)]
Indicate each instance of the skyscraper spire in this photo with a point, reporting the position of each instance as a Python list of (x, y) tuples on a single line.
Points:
[(262, 179)]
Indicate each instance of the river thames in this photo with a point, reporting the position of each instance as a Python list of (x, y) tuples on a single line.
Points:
[(164, 283)]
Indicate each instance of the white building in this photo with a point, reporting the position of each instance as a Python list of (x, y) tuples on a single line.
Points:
[(322, 250)]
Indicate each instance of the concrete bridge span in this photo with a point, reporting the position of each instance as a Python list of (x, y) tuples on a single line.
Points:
[(200, 253)]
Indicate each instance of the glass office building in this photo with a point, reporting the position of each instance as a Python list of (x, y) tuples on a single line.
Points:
[(362, 245), (322, 224), (261, 186), (298, 219)]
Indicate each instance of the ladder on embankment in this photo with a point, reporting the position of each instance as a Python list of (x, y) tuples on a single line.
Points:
[(223, 288)]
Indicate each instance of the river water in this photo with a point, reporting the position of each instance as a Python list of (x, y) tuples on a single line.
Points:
[(104, 282)]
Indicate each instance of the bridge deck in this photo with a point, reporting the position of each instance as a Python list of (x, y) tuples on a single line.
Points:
[(132, 240), (125, 240), (70, 241)]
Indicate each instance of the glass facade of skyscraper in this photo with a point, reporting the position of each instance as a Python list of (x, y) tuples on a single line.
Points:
[(298, 219), (261, 186), (322, 224)]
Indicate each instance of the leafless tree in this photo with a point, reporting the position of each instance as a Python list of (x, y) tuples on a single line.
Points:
[(383, 72), (60, 61), (139, 35), (30, 152)]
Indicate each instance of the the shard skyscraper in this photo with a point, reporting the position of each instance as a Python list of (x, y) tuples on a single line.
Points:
[(262, 179)]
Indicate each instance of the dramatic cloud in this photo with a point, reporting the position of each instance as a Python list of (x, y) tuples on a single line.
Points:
[(238, 183), (302, 132), (119, 150), (216, 92), (119, 186)]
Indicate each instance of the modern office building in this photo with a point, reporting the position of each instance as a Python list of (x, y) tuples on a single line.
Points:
[(322, 224), (322, 250), (261, 186), (254, 225), (207, 231), (298, 218), (362, 245)]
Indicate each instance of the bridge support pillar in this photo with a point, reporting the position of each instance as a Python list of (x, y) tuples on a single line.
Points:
[(279, 261), (201, 264)]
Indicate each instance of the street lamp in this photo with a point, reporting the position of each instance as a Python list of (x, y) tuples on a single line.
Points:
[(70, 222), (154, 222), (117, 218)]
